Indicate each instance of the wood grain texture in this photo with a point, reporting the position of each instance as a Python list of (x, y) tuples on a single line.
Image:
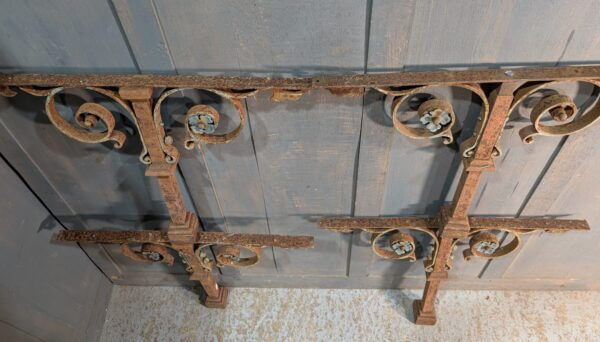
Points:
[(306, 155), (96, 187), (471, 34), (143, 32), (85, 186), (488, 34), (567, 189), (277, 38), (49, 292), (47, 37)]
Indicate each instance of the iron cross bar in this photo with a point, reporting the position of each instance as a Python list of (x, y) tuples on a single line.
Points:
[(183, 235), (154, 246), (452, 223), (396, 79)]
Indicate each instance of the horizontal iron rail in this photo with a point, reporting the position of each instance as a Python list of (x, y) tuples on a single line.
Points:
[(322, 81), (516, 224), (151, 236), (526, 224), (343, 223)]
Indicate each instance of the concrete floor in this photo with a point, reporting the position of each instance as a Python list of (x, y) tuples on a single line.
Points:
[(174, 314)]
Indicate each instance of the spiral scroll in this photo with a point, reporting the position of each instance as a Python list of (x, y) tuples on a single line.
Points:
[(201, 120), (560, 108), (485, 244), (87, 117), (148, 252), (401, 245), (436, 115), (229, 255)]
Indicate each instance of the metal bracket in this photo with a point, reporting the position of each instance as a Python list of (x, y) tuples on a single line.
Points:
[(437, 119)]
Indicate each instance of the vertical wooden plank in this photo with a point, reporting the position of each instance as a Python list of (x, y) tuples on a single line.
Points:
[(471, 34), (145, 35), (48, 290), (279, 38), (223, 179), (306, 162), (86, 186), (530, 171), (224, 200), (13, 334), (476, 34), (276, 38), (69, 36), (143, 32), (567, 190), (389, 35)]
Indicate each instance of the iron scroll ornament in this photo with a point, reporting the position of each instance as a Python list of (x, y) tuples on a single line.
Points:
[(202, 120), (560, 108), (485, 244), (395, 243), (436, 115), (89, 117)]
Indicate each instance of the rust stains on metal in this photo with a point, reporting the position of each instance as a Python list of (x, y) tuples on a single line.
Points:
[(148, 253), (156, 81), (457, 77), (450, 225), (117, 236), (202, 238), (346, 224), (350, 92), (7, 92), (255, 240), (527, 224), (281, 95), (324, 81)]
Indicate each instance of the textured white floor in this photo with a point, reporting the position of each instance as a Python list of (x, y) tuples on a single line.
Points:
[(174, 314)]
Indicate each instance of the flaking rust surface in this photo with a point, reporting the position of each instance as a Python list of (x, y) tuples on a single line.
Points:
[(172, 314), (254, 240)]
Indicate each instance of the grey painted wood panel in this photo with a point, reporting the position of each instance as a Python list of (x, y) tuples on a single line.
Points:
[(86, 186), (225, 184), (97, 187), (277, 38), (474, 34), (48, 291), (282, 37), (568, 189), (62, 36), (389, 35), (565, 180), (306, 153), (143, 32)]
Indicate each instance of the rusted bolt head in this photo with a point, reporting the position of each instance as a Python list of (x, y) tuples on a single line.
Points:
[(563, 113), (202, 119), (434, 114), (402, 243), (487, 247)]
